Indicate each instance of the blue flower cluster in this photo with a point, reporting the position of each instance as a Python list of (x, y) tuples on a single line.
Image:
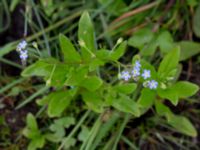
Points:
[(137, 72), (21, 49)]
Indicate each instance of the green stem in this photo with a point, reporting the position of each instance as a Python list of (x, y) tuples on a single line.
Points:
[(125, 121), (94, 133)]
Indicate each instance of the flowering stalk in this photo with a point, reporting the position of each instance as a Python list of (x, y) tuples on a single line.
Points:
[(23, 52)]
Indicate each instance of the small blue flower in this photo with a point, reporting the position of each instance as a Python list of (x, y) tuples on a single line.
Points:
[(21, 46), (125, 75), (152, 84), (146, 74), (135, 72), (137, 64), (23, 55)]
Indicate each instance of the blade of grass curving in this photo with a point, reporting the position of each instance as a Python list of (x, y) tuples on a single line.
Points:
[(29, 99), (11, 63), (128, 142), (10, 85), (121, 129)]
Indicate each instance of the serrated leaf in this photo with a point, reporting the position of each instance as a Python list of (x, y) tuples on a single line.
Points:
[(125, 88), (118, 52), (59, 102), (70, 53), (92, 83), (188, 49), (169, 63)]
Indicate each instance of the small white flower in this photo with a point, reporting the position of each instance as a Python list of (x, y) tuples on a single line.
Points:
[(125, 75), (23, 55), (153, 84), (146, 74)]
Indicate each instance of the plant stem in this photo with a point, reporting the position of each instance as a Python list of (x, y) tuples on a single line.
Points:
[(125, 121)]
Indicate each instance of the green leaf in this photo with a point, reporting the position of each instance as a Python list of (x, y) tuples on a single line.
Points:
[(196, 22), (31, 131), (181, 89), (86, 36), (188, 49), (84, 133), (185, 89), (39, 68), (103, 54), (169, 64), (161, 109), (58, 127), (94, 101), (140, 38), (31, 122), (36, 143), (65, 121), (149, 49), (76, 76), (165, 42), (58, 75), (126, 88), (59, 102), (182, 124), (118, 52), (147, 98), (70, 53), (92, 83), (169, 94), (95, 63), (125, 104), (70, 142)]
